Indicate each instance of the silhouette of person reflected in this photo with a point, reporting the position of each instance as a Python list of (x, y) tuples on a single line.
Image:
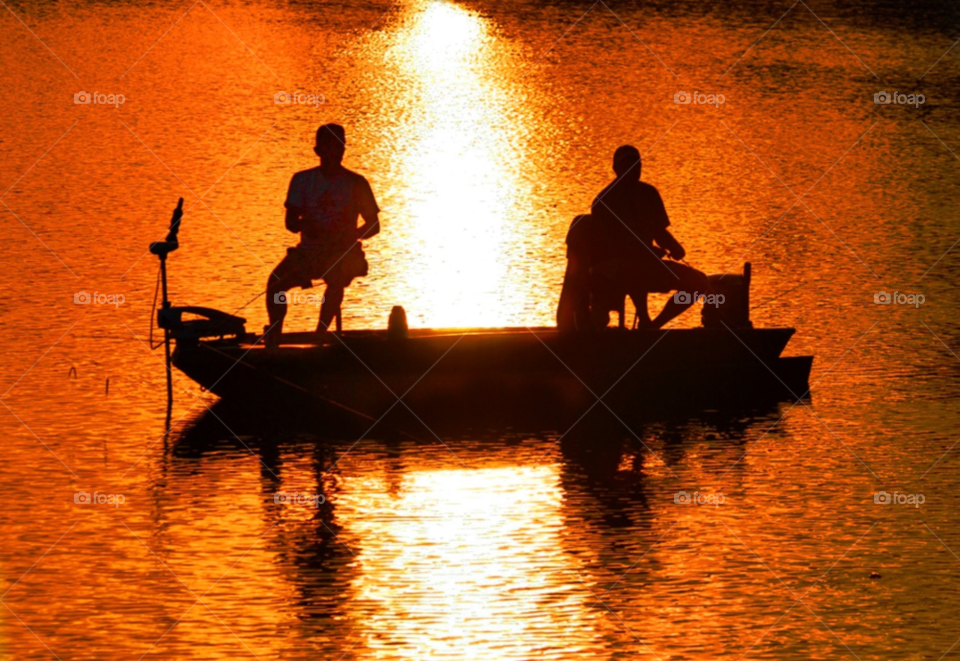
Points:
[(323, 204), (618, 250)]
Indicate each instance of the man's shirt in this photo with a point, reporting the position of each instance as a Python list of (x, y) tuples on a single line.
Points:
[(330, 207), (628, 212)]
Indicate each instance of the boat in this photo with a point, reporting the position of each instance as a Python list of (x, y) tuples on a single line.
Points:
[(470, 372)]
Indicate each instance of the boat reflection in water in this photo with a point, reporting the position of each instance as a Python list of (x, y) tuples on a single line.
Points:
[(484, 545)]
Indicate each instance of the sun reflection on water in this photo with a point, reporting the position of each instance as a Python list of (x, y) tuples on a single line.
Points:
[(461, 155), (457, 564)]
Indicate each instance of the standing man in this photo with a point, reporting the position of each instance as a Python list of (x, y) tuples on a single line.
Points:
[(323, 204)]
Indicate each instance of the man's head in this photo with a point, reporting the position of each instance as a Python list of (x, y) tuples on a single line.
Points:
[(626, 162), (331, 143)]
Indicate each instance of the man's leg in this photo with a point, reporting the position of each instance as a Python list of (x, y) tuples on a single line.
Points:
[(639, 299), (281, 280), (635, 279), (332, 300), (691, 281)]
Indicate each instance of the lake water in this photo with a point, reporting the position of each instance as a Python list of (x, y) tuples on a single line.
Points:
[(483, 129)]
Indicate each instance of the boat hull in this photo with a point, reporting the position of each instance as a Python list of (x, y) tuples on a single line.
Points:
[(505, 372)]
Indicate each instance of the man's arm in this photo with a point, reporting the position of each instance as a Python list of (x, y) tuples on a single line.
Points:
[(370, 226), (667, 241), (662, 236), (295, 204), (369, 211), (293, 219)]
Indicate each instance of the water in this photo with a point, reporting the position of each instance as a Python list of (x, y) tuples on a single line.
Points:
[(483, 128)]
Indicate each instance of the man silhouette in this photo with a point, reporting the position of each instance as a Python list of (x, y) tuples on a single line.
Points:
[(630, 238), (323, 204)]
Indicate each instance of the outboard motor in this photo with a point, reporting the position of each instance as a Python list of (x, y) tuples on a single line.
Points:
[(734, 311)]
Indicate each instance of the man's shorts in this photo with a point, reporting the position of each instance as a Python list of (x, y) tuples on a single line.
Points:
[(336, 267)]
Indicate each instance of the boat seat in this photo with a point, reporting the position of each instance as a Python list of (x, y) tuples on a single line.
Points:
[(606, 297)]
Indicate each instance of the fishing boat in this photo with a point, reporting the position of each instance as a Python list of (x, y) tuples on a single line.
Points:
[(470, 371)]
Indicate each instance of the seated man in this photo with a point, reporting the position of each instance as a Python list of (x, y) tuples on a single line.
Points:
[(322, 205), (573, 310), (588, 296), (632, 238)]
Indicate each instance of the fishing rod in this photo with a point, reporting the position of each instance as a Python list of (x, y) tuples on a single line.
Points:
[(771, 300)]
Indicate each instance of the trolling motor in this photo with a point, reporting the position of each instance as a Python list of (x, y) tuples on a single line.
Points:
[(161, 249), (214, 322)]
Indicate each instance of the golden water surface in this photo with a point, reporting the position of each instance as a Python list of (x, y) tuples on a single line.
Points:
[(483, 128)]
